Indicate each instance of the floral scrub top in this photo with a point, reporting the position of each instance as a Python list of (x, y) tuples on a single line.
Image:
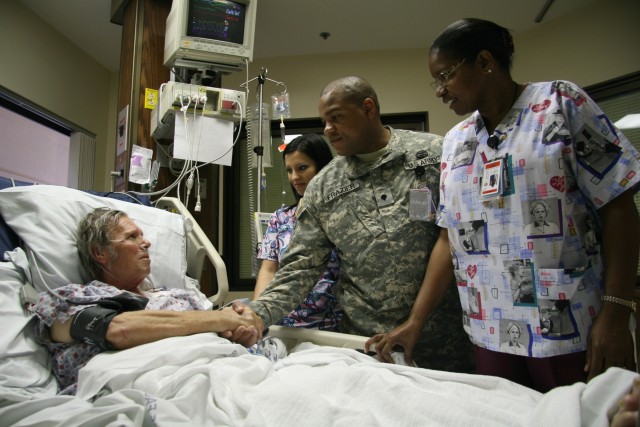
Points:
[(522, 221), (319, 310)]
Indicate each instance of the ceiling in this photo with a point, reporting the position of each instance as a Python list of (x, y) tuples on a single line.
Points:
[(293, 27)]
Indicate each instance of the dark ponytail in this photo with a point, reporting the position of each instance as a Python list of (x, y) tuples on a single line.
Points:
[(465, 38)]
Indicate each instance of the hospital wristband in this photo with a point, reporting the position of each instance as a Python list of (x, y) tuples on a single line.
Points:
[(626, 303)]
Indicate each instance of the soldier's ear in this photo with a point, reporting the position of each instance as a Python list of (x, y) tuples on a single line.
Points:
[(368, 106)]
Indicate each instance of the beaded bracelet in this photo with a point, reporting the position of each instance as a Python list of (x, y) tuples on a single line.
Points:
[(626, 303)]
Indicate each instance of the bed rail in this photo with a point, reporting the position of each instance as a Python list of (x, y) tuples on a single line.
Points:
[(198, 247), (293, 336)]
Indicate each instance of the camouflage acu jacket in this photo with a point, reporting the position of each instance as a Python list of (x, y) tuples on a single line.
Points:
[(362, 209)]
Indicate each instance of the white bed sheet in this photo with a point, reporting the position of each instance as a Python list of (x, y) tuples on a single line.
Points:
[(25, 370), (204, 380)]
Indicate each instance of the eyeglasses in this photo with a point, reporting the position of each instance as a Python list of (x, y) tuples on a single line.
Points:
[(444, 76)]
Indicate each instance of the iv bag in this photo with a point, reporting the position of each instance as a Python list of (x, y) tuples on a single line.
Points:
[(280, 106)]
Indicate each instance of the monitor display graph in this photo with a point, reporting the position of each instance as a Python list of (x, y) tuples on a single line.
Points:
[(220, 20)]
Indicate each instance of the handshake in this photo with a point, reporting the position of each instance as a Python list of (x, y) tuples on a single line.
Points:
[(244, 325)]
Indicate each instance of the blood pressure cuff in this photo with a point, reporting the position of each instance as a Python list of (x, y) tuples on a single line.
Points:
[(125, 301), (90, 325)]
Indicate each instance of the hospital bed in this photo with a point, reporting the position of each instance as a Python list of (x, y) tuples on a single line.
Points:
[(203, 379)]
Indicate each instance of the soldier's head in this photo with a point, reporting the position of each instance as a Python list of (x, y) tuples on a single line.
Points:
[(350, 111)]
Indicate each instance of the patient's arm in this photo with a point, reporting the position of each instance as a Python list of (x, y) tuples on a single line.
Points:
[(133, 328), (266, 273)]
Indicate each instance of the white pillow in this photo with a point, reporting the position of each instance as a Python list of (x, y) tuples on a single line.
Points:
[(25, 367), (46, 218)]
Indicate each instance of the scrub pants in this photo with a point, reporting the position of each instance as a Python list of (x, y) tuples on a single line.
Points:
[(541, 374)]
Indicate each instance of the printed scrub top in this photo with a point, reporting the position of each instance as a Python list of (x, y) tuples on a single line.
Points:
[(522, 220)]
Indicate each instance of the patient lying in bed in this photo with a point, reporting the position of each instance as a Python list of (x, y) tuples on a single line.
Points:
[(194, 378), (118, 310)]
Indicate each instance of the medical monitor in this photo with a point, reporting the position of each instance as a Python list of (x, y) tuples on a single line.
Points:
[(217, 33)]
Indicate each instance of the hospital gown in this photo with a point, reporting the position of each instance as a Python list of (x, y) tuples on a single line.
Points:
[(67, 359)]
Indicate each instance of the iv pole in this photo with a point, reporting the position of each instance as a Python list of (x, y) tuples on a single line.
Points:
[(259, 149)]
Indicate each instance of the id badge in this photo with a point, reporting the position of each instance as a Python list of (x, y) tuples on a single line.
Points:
[(421, 207), (492, 179)]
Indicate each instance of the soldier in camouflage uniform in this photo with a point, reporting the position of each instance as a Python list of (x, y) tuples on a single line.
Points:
[(359, 204)]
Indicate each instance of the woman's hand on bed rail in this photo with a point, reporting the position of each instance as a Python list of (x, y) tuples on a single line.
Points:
[(403, 337), (248, 333)]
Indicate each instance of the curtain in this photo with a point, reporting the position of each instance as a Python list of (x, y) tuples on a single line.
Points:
[(82, 161)]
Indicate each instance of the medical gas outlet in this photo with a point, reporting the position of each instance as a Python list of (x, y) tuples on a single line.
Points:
[(181, 98)]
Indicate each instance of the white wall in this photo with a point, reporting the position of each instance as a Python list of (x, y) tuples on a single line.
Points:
[(41, 65), (592, 45), (595, 44)]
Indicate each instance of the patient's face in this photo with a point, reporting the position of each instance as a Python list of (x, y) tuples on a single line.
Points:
[(132, 263)]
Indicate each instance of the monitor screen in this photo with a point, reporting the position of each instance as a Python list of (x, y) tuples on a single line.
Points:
[(221, 20), (201, 33)]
